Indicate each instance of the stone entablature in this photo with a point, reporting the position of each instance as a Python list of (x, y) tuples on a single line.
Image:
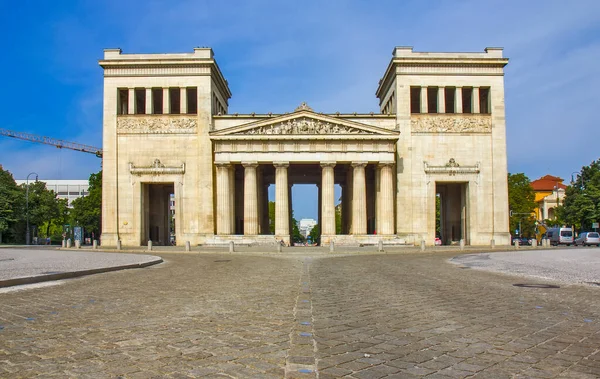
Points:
[(450, 123), (156, 124)]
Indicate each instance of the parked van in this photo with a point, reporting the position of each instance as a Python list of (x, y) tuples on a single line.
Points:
[(560, 236)]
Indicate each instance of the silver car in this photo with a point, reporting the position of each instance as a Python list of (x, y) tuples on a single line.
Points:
[(588, 238)]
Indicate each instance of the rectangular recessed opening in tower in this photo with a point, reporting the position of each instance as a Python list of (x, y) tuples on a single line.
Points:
[(484, 100), (467, 99), (174, 100), (450, 93), (192, 100), (157, 101), (432, 95), (415, 100), (123, 104), (140, 101)]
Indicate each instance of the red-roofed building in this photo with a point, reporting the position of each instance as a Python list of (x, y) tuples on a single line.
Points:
[(549, 193)]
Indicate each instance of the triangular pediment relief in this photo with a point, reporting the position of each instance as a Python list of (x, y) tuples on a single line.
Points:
[(304, 122)]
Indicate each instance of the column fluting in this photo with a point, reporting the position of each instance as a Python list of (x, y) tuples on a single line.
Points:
[(250, 199), (359, 201)]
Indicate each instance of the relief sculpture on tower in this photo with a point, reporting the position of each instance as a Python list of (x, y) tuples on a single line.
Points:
[(451, 123), (154, 124)]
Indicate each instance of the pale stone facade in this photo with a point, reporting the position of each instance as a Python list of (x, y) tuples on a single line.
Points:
[(441, 132)]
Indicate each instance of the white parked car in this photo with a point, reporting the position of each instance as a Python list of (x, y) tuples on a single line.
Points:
[(588, 238)]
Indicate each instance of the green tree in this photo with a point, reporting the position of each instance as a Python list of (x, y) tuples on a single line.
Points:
[(11, 204), (44, 208), (521, 201), (315, 234), (87, 210), (272, 217), (581, 206), (296, 236)]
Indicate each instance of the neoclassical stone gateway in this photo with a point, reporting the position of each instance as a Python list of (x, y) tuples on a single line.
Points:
[(171, 145)]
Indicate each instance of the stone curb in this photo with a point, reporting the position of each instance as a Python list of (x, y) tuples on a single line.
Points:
[(73, 274)]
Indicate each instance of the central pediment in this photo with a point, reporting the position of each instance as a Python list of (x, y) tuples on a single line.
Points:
[(304, 123)]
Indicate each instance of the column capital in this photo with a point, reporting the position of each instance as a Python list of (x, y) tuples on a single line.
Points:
[(281, 164), (424, 86), (385, 164), (359, 164), (223, 164), (328, 164), (250, 164)]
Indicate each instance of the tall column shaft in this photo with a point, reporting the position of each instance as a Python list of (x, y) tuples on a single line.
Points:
[(282, 209), (327, 199), (148, 100), (223, 200), (131, 101), (458, 108), (386, 213), (475, 100), (377, 199), (359, 199), (231, 173), (441, 100), (260, 199), (166, 101), (424, 103), (250, 199)]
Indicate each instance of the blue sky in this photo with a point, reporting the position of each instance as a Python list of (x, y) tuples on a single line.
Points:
[(276, 54)]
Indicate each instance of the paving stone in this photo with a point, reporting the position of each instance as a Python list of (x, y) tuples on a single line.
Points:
[(371, 316)]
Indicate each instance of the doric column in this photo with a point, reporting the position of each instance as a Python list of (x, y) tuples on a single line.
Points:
[(260, 199), (223, 199), (148, 100), (475, 100), (327, 199), (458, 100), (231, 173), (441, 100), (385, 223), (424, 107), (131, 101), (183, 100), (359, 201), (265, 219), (282, 210), (250, 199), (377, 198), (166, 101)]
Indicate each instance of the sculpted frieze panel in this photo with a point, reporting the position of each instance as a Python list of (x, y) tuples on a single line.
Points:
[(156, 125), (303, 125), (451, 123)]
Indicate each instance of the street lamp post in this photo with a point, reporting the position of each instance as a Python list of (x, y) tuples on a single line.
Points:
[(27, 236)]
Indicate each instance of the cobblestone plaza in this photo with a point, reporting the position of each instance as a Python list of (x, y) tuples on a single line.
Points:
[(296, 316)]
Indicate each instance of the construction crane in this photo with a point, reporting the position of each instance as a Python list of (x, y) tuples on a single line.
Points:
[(61, 144)]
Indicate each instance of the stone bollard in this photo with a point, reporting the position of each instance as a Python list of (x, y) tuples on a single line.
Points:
[(516, 244), (462, 244), (534, 242), (95, 244), (64, 243), (187, 246), (232, 247), (118, 244), (380, 246), (493, 243), (422, 245), (149, 245), (331, 247), (69, 243), (77, 244)]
